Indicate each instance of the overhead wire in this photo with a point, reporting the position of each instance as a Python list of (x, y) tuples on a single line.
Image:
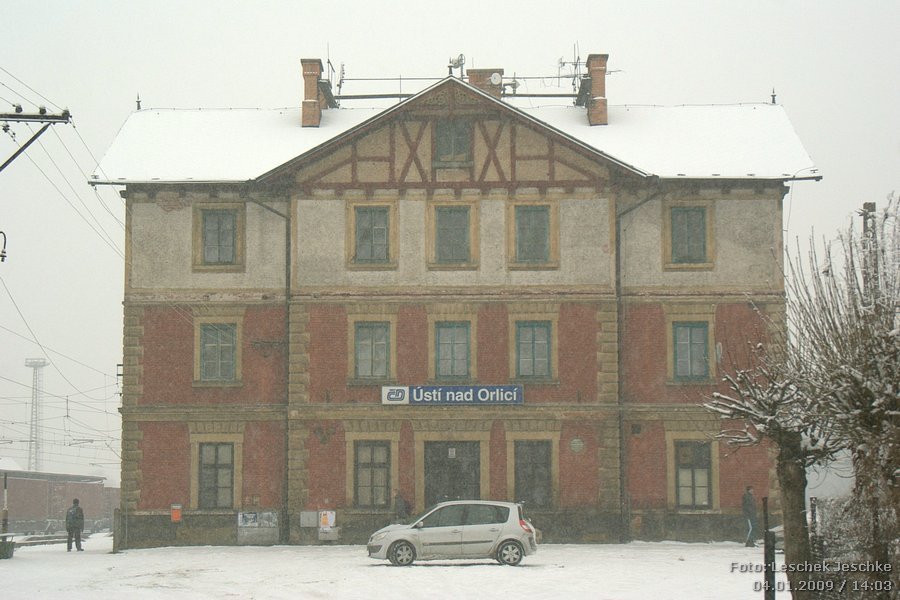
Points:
[(74, 360), (27, 100), (72, 424), (34, 336), (186, 314), (68, 397), (85, 175), (31, 90), (104, 236)]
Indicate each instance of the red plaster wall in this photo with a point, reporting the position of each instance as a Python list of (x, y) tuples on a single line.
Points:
[(165, 465), (737, 328), (739, 468), (328, 360), (578, 482), (326, 466), (328, 366), (263, 365), (647, 465), (412, 345), (577, 359), (577, 353), (263, 468), (168, 359), (644, 353), (493, 344)]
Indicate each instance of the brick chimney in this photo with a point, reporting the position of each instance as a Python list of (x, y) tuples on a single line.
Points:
[(481, 78), (311, 110), (597, 106)]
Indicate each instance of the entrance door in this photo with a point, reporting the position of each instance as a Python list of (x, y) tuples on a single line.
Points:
[(452, 471)]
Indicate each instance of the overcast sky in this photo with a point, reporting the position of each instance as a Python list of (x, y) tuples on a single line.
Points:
[(833, 64)]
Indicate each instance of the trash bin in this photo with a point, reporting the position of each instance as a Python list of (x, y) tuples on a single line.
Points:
[(7, 547)]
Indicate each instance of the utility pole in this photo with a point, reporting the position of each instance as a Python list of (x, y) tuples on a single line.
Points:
[(35, 460), (40, 117), (22, 117)]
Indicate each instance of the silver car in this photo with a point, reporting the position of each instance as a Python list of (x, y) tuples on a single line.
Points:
[(458, 529)]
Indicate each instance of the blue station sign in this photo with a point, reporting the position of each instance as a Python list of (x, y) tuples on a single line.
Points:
[(452, 395)]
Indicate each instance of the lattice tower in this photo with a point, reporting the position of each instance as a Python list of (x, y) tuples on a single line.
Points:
[(35, 459)]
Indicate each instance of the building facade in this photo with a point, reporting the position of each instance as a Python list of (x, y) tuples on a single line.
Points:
[(452, 297)]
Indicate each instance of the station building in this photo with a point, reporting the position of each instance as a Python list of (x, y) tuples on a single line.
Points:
[(469, 293)]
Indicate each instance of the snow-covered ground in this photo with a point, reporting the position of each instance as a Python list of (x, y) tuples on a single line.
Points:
[(636, 571)]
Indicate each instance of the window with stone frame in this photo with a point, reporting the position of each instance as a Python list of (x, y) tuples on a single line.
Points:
[(688, 235), (372, 243), (693, 474), (452, 350), (216, 474), (218, 352), (372, 468), (532, 234), (533, 352), (372, 346), (452, 243), (533, 473), (219, 237), (690, 350)]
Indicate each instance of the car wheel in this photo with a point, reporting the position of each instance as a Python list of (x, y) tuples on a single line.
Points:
[(510, 553), (402, 554)]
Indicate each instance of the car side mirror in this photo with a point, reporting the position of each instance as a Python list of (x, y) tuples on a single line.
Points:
[(419, 525)]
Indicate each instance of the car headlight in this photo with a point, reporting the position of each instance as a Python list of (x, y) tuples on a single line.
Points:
[(377, 536)]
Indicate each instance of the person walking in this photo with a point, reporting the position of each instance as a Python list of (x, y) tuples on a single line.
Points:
[(401, 508), (748, 505), (74, 526)]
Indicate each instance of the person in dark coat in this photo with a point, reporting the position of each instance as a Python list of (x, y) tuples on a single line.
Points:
[(748, 505), (74, 526), (401, 508)]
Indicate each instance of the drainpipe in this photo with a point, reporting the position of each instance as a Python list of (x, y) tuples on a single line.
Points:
[(624, 505), (5, 526), (284, 527)]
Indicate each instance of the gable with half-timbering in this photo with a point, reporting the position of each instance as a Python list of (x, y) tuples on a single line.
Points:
[(451, 136)]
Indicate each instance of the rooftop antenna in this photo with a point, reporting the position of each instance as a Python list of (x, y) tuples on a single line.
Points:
[(773, 95), (340, 84), (331, 70), (456, 63), (576, 63), (139, 101)]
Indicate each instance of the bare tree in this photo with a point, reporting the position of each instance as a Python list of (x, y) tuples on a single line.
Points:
[(843, 312), (773, 407)]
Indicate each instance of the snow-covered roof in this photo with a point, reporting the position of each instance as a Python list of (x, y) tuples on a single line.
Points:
[(215, 145), (740, 141), (747, 141)]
